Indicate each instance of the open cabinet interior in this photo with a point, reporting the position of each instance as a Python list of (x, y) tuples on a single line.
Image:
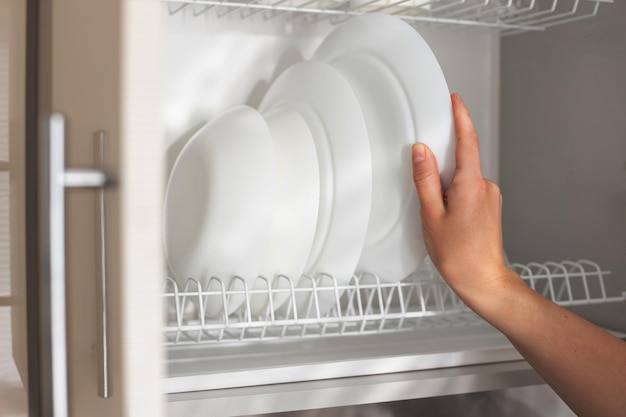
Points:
[(390, 338)]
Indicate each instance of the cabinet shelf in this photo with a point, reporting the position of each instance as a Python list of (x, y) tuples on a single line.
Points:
[(507, 16), (366, 305)]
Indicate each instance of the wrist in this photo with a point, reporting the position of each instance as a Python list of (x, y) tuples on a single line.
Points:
[(497, 301)]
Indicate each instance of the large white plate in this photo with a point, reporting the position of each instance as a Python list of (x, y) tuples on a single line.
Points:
[(394, 245), (219, 205), (407, 56), (324, 98), (297, 205)]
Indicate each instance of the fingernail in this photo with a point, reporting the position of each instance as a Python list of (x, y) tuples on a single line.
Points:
[(458, 97), (419, 152)]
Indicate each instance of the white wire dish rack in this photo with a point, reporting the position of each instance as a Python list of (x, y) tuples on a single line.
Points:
[(509, 16), (365, 305)]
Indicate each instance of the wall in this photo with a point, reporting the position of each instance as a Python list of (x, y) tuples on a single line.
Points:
[(563, 146)]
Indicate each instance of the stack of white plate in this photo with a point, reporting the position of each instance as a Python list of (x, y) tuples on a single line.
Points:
[(316, 182)]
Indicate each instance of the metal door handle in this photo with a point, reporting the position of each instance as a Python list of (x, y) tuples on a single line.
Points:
[(60, 178), (83, 178), (104, 376)]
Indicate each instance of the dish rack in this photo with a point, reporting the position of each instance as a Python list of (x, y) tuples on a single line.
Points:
[(365, 305), (508, 16)]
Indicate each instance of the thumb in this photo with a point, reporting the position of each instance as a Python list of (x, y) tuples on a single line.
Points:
[(426, 179)]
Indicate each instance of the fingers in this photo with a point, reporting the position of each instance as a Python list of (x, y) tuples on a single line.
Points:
[(427, 181), (425, 173), (467, 147)]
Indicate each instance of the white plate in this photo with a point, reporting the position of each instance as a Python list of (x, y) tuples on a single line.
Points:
[(219, 205), (297, 205), (394, 245), (406, 55), (409, 57), (324, 98)]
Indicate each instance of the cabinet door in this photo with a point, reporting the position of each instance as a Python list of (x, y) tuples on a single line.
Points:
[(105, 75)]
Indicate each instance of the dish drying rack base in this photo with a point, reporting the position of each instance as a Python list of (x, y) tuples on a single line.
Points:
[(508, 16), (365, 305)]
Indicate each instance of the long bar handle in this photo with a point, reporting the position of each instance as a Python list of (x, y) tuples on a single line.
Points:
[(104, 377), (56, 230), (60, 178)]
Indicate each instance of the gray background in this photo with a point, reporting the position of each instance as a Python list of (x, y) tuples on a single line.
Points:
[(563, 147)]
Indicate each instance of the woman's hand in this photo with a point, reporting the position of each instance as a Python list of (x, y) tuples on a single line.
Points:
[(462, 227), (462, 230)]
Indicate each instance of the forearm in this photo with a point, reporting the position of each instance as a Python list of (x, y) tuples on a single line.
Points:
[(581, 362)]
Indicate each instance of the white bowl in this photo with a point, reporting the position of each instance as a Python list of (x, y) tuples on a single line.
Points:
[(219, 206)]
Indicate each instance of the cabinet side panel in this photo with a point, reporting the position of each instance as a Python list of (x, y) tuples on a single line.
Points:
[(141, 201)]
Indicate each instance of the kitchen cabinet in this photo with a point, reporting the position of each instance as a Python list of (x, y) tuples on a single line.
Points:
[(77, 62), (148, 73)]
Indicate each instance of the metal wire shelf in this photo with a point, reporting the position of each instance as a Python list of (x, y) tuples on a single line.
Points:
[(508, 16), (365, 305)]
